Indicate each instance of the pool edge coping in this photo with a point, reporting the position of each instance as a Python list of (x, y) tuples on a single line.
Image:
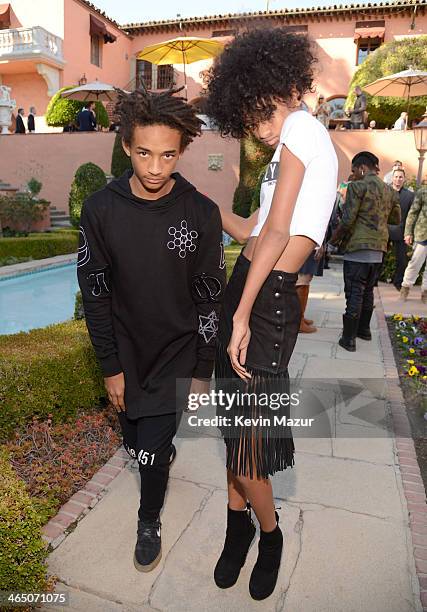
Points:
[(38, 265)]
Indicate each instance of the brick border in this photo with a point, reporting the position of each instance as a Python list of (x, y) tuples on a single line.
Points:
[(79, 504), (413, 485)]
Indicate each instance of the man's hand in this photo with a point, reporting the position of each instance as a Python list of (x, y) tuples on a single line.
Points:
[(408, 239), (197, 387), (115, 386)]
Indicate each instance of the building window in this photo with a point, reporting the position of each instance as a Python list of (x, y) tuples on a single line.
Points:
[(95, 50), (144, 74), (365, 46), (154, 77), (165, 76), (368, 35)]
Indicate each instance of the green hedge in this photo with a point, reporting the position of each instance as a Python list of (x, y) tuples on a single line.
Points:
[(120, 162), (87, 179), (39, 246), (52, 370), (22, 551)]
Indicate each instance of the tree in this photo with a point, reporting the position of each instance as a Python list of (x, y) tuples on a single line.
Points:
[(390, 58), (254, 156), (119, 161), (88, 179), (62, 111)]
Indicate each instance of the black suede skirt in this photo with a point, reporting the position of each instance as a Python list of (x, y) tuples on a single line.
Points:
[(258, 440)]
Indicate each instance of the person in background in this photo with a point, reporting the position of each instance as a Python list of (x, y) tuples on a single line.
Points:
[(313, 266), (20, 125), (363, 236), (357, 113), (322, 111), (31, 120), (396, 232), (416, 232), (372, 125), (86, 119), (388, 178), (401, 123)]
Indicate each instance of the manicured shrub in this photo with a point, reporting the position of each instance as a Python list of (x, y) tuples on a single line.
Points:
[(22, 550), (52, 370), (253, 157), (257, 190), (61, 111), (120, 162), (88, 179), (39, 246), (22, 209)]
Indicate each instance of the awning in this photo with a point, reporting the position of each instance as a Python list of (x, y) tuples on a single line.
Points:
[(368, 33), (5, 15), (98, 28)]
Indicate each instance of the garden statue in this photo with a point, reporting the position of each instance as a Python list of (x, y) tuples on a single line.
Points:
[(6, 107)]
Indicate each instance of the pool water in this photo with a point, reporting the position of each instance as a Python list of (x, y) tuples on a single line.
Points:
[(37, 299)]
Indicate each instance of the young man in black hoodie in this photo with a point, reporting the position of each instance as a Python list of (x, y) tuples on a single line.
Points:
[(151, 270)]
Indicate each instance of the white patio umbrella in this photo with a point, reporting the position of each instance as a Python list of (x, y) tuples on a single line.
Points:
[(95, 91), (407, 84)]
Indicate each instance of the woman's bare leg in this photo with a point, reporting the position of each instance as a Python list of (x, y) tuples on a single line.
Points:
[(236, 494), (259, 492)]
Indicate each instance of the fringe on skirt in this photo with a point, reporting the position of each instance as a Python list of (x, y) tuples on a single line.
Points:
[(262, 447)]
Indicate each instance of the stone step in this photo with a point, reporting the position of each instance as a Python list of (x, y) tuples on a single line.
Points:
[(61, 223), (58, 213)]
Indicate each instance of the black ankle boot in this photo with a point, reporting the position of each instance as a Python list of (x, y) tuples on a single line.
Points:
[(266, 569), (363, 330), (348, 338), (239, 535)]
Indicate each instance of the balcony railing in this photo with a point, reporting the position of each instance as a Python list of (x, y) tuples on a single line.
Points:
[(25, 43)]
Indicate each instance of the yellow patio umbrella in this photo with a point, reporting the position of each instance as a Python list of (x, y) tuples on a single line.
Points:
[(182, 50)]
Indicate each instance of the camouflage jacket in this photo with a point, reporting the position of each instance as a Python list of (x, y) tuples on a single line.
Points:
[(369, 206), (416, 221)]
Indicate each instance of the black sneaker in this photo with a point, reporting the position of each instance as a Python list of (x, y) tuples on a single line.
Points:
[(148, 549)]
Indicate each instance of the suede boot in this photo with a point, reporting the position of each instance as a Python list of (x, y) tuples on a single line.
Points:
[(266, 569), (240, 533)]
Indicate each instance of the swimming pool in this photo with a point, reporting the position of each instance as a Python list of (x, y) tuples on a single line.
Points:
[(37, 299)]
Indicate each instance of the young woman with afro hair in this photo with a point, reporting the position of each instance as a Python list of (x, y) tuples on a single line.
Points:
[(256, 87)]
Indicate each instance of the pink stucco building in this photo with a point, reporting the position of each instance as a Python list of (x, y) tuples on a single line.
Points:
[(46, 45)]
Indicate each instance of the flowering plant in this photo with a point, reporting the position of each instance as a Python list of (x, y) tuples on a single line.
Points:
[(410, 335)]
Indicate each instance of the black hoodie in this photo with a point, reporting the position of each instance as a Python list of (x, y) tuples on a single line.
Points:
[(152, 276)]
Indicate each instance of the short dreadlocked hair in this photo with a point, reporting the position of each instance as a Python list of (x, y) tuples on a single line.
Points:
[(257, 69), (142, 107)]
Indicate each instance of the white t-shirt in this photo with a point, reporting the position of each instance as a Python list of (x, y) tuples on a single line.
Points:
[(308, 140)]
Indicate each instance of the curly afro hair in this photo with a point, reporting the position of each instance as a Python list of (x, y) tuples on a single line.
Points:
[(142, 107), (256, 69)]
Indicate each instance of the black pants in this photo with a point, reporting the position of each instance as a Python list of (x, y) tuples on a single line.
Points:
[(401, 261), (149, 440), (359, 282)]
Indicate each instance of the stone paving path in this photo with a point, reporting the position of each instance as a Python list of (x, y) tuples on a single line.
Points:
[(348, 546)]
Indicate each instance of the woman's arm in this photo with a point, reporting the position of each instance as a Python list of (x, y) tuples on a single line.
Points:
[(270, 245), (239, 228)]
